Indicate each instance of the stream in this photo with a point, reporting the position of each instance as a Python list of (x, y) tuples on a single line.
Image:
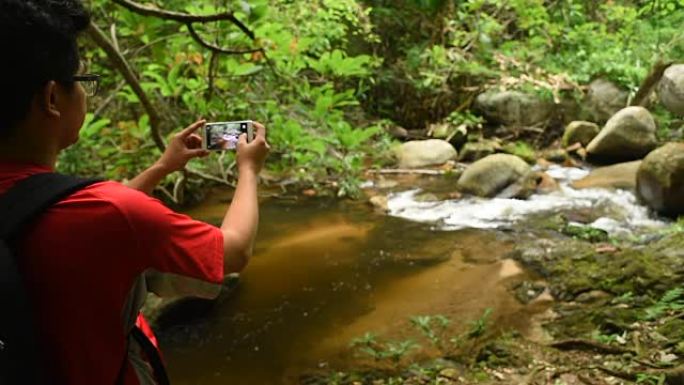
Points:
[(326, 272)]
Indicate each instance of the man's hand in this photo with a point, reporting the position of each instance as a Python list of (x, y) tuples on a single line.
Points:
[(184, 146), (251, 156)]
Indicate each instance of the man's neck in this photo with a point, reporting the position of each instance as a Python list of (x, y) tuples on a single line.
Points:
[(36, 154)]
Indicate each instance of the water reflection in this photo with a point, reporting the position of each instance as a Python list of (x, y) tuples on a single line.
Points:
[(322, 274)]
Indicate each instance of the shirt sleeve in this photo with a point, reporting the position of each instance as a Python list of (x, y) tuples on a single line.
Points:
[(175, 248)]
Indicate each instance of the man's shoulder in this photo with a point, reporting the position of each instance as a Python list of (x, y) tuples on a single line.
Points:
[(108, 192), (113, 196)]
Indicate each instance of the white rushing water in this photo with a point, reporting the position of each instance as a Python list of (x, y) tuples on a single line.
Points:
[(623, 212)]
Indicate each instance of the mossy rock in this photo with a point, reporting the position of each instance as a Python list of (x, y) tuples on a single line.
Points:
[(660, 179), (490, 175), (473, 151), (573, 267), (522, 150), (579, 132), (630, 134)]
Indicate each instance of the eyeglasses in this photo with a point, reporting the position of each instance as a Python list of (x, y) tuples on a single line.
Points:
[(90, 83)]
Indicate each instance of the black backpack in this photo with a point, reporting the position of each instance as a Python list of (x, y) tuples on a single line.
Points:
[(20, 356)]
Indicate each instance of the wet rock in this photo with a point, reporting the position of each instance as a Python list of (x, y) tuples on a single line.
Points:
[(455, 135), (450, 374), (421, 153), (386, 184), (628, 135), (492, 174), (397, 132), (660, 179), (528, 291), (671, 89), (477, 150), (621, 175), (379, 202), (557, 155), (547, 184), (427, 197), (513, 108), (579, 132), (523, 188), (604, 99)]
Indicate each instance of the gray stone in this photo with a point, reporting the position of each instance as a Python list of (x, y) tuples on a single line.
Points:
[(604, 99), (492, 174), (514, 108), (397, 132), (660, 180), (579, 132), (629, 134), (421, 153), (621, 175), (671, 89), (477, 150), (523, 188), (557, 155)]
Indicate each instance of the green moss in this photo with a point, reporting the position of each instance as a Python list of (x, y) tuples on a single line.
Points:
[(673, 330), (585, 233), (522, 150)]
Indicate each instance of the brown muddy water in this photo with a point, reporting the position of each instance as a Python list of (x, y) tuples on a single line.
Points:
[(324, 273)]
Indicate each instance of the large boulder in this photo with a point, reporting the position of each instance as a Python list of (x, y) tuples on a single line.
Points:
[(490, 175), (621, 175), (629, 134), (671, 89), (513, 108), (660, 180), (421, 153), (604, 99), (579, 132)]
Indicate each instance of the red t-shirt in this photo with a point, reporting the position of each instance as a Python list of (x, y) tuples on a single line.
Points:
[(81, 258)]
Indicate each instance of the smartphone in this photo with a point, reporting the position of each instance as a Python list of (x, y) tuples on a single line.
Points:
[(221, 136)]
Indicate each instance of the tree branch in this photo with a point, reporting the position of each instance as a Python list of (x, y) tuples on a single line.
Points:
[(120, 63), (215, 48), (182, 17), (651, 80)]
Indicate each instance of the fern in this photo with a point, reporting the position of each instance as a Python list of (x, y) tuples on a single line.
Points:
[(673, 300)]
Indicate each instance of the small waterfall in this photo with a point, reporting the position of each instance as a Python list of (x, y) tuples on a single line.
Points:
[(617, 211)]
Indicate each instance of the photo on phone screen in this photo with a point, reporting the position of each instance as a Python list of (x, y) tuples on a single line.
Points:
[(225, 135)]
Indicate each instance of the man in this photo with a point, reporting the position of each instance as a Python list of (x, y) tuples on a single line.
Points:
[(86, 260)]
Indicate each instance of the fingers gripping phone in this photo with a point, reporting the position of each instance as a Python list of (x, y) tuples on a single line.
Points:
[(222, 136)]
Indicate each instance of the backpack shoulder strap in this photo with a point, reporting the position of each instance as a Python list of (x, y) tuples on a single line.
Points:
[(20, 361), (30, 197)]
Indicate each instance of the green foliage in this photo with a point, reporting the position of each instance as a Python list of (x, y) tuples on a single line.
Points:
[(650, 379), (432, 327), (585, 233), (672, 300), (329, 69), (479, 326), (525, 44), (522, 150), (305, 89), (392, 351)]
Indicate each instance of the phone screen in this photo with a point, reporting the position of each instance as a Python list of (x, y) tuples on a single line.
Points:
[(224, 136)]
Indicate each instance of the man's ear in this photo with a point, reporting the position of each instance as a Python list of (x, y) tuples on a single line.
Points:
[(49, 99)]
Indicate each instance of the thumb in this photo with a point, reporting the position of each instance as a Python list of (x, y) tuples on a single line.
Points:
[(243, 139)]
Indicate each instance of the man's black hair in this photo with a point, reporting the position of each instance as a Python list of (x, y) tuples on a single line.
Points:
[(37, 44)]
